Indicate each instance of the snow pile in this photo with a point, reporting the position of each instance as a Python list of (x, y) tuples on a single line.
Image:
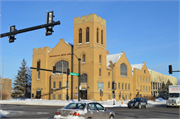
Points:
[(157, 101), (3, 113)]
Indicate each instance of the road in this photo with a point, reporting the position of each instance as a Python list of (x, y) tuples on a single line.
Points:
[(47, 112)]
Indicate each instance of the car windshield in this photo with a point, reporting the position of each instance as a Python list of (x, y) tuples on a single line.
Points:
[(75, 106), (174, 95), (135, 99)]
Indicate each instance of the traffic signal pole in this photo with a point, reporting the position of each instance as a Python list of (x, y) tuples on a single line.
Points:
[(29, 29)]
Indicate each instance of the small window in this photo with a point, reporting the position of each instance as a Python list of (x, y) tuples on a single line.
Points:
[(125, 86), (108, 73), (99, 71), (143, 88), (118, 85), (54, 84), (143, 79), (38, 74), (59, 85), (108, 84), (80, 35), (144, 71), (122, 85), (119, 97), (67, 85), (32, 94), (129, 86), (109, 97), (53, 97), (146, 80), (99, 59), (59, 97), (146, 88), (140, 79), (83, 57)]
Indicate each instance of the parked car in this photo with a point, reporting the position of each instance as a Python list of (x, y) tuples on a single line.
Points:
[(138, 103), (84, 110)]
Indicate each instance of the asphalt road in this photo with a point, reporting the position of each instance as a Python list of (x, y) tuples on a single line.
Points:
[(47, 112)]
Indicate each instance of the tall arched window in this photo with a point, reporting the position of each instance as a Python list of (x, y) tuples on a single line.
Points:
[(101, 36), (123, 69), (87, 34), (62, 66), (97, 35), (80, 35), (83, 58), (83, 78)]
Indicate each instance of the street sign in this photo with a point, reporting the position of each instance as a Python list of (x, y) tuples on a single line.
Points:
[(75, 74)]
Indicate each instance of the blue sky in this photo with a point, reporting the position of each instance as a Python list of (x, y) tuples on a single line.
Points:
[(147, 31)]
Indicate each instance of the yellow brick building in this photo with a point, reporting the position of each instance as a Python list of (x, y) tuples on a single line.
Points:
[(98, 68)]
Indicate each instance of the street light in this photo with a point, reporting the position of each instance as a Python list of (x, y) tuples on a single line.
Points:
[(79, 59)]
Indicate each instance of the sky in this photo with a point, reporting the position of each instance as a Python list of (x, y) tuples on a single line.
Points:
[(147, 31)]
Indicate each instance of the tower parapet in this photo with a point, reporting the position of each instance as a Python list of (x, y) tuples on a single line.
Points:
[(93, 18), (41, 50)]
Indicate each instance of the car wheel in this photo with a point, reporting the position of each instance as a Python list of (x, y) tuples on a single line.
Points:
[(129, 106), (167, 106), (111, 117), (139, 106), (146, 106)]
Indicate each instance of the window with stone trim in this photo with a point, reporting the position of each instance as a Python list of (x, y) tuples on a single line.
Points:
[(80, 35), (108, 84), (99, 71), (99, 59)]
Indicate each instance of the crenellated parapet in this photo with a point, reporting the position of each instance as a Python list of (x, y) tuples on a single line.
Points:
[(90, 18), (40, 50)]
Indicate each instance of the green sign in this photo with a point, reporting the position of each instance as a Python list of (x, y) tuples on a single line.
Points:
[(75, 74)]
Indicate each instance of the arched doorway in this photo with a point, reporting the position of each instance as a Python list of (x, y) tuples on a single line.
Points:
[(83, 93), (38, 94)]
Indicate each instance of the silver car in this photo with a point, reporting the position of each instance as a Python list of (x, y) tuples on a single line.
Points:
[(84, 110)]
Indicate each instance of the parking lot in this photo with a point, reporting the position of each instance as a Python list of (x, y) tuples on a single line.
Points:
[(47, 112)]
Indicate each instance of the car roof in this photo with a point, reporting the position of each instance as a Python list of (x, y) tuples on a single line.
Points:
[(84, 101)]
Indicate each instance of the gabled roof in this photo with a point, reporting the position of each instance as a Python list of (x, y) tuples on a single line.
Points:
[(138, 66), (114, 58)]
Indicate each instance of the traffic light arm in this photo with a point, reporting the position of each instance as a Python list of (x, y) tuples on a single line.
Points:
[(29, 29)]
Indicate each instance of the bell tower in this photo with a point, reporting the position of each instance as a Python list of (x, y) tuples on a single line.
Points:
[(90, 46)]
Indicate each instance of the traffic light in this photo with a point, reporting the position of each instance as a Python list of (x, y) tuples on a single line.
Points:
[(68, 71), (12, 37), (54, 69), (170, 69), (38, 65), (113, 85), (49, 20)]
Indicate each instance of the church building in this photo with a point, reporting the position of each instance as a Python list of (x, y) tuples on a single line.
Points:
[(98, 69)]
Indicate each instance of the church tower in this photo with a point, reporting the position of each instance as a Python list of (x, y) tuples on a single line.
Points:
[(90, 46)]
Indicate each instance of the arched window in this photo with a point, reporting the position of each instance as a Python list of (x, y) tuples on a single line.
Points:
[(87, 34), (83, 58), (62, 66), (83, 78), (123, 69), (101, 36), (80, 35), (97, 35), (54, 84)]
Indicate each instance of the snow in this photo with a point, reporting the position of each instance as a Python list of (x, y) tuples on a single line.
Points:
[(114, 58), (108, 103)]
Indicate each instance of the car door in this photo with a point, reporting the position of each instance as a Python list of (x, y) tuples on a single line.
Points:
[(92, 111), (143, 103), (102, 113)]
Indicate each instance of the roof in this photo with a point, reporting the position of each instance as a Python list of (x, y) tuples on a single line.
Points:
[(114, 58), (138, 66)]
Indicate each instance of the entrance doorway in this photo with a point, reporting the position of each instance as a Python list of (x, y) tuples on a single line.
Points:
[(38, 94), (83, 94)]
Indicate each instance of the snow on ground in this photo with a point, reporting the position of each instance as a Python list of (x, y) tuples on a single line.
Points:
[(108, 103)]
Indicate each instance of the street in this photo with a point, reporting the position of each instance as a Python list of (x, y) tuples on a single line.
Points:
[(47, 112)]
